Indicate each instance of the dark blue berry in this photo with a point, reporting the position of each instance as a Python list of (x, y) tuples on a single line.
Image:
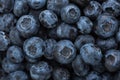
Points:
[(106, 44), (15, 54), (42, 70), (48, 19), (66, 31), (93, 76), (106, 25), (49, 48), (15, 37), (6, 6), (56, 5), (93, 9), (20, 8), (6, 21), (27, 26), (18, 75), (112, 60), (36, 4), (79, 67), (64, 52), (61, 74), (91, 54), (34, 47), (84, 25), (9, 67), (70, 14), (112, 7)]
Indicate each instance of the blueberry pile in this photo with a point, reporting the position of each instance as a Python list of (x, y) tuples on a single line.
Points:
[(59, 39)]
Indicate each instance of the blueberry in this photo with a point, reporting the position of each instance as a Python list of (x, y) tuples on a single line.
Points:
[(106, 25), (56, 5), (112, 60), (15, 37), (83, 39), (6, 6), (4, 41), (15, 54), (79, 67), (27, 26), (6, 21), (106, 44), (61, 74), (93, 9), (36, 4), (64, 51), (77, 78), (49, 48), (93, 76), (70, 13), (2, 74), (91, 54), (34, 47), (66, 31), (112, 7), (48, 19), (42, 70), (84, 25), (18, 75), (20, 8), (9, 67)]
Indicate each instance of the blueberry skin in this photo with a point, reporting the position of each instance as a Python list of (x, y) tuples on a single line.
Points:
[(64, 52), (4, 41), (112, 60), (56, 5), (48, 19), (15, 54), (6, 6), (91, 54), (83, 39), (106, 25), (18, 75), (42, 70), (84, 25), (106, 44), (36, 4), (9, 67), (79, 67), (49, 48), (15, 37), (20, 8), (6, 21), (93, 9), (112, 7), (27, 26), (93, 76), (61, 74), (66, 31), (70, 14), (34, 47)]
